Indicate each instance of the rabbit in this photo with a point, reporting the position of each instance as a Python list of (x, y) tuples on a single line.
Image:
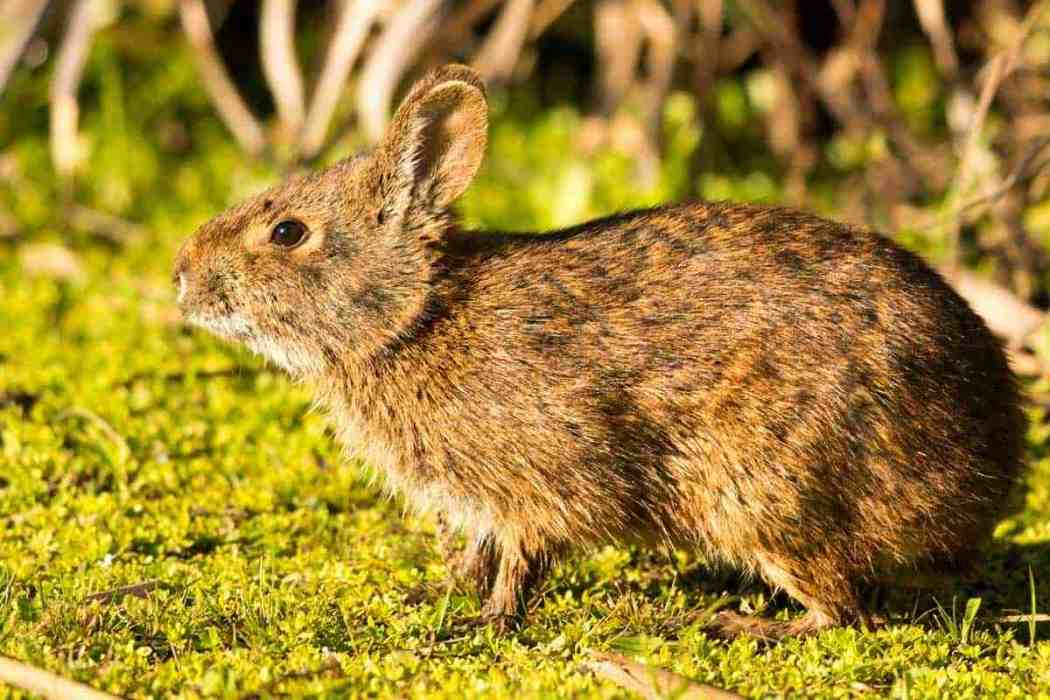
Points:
[(797, 398)]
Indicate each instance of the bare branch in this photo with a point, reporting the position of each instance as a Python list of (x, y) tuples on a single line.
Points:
[(232, 109), (1028, 167), (497, 57), (546, 14), (399, 43), (1008, 316), (995, 72), (69, 68), (931, 17), (1011, 619), (354, 22), (618, 41), (711, 14), (46, 684), (138, 590), (457, 27), (659, 31), (280, 65), (18, 20), (218, 11)]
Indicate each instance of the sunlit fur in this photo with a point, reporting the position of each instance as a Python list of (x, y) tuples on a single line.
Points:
[(796, 397)]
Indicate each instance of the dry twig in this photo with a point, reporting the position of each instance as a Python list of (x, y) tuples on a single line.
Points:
[(932, 19), (499, 54), (1007, 316), (280, 65), (547, 12), (139, 590), (232, 109), (399, 43), (354, 23), (1011, 619), (618, 41), (46, 684), (706, 63), (650, 682), (1028, 167), (69, 68), (659, 32), (18, 20)]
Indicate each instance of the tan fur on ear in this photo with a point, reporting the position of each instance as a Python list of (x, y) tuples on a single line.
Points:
[(437, 139)]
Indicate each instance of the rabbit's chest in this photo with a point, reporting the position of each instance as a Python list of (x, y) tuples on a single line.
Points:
[(407, 461)]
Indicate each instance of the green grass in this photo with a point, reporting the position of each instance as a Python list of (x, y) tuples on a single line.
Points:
[(135, 450)]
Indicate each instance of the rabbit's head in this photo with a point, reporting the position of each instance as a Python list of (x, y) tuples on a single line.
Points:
[(339, 263)]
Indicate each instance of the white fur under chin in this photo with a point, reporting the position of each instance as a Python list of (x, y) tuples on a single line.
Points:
[(230, 327), (296, 361)]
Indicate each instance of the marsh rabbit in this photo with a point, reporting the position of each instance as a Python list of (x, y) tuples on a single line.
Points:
[(796, 397)]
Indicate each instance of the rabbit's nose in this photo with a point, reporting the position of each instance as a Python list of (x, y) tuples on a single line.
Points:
[(179, 279), (180, 285)]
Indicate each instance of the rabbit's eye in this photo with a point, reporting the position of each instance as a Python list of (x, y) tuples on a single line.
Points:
[(288, 234)]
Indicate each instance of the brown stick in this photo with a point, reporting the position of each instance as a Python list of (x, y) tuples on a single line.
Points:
[(280, 65), (618, 41), (659, 31), (18, 19), (458, 26), (402, 39), (650, 682), (711, 13), (46, 684), (1028, 166), (1009, 619), (547, 12), (497, 57), (354, 22), (69, 67), (996, 71), (232, 109), (139, 590), (1006, 315), (931, 17)]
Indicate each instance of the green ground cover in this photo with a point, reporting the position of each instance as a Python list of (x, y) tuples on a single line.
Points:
[(133, 450)]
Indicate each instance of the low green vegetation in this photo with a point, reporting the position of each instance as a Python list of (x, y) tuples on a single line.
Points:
[(135, 452)]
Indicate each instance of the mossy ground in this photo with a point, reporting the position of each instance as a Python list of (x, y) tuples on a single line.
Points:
[(135, 450)]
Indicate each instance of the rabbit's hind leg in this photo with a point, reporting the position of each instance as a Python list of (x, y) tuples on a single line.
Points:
[(830, 601)]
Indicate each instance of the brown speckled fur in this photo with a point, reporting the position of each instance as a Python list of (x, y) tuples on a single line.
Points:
[(796, 397)]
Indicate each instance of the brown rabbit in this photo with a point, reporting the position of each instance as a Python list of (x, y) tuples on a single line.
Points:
[(793, 396)]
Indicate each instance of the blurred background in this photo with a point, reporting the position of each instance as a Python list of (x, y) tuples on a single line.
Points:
[(123, 124)]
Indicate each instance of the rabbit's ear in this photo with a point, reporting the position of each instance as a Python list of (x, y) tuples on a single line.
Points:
[(436, 141)]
